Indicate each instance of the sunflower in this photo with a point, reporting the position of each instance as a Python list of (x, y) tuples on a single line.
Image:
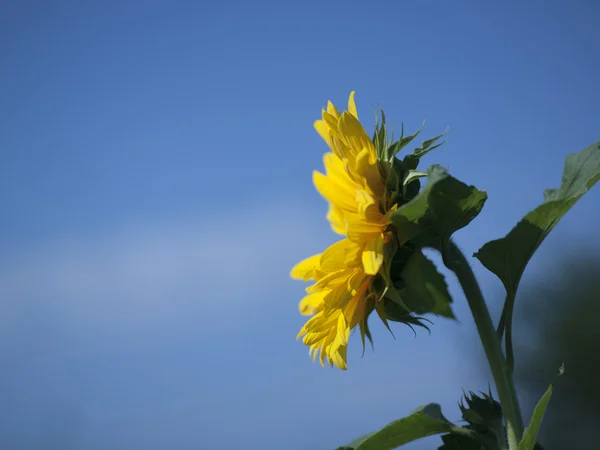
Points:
[(354, 184)]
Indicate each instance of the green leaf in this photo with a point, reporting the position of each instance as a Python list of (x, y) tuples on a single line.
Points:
[(356, 442), (442, 207), (425, 289), (455, 205), (424, 421), (530, 433), (507, 257)]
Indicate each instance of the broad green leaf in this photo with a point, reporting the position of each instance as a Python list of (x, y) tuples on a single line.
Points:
[(356, 442), (424, 421), (507, 257), (455, 205), (425, 289), (530, 433), (442, 207)]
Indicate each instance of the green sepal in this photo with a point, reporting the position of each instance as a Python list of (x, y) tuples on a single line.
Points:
[(402, 185), (413, 175), (363, 325), (483, 415), (395, 258), (380, 309), (392, 287), (395, 313), (460, 442), (485, 408), (393, 177), (412, 161), (380, 137), (395, 148)]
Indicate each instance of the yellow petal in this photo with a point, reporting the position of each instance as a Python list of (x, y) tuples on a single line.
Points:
[(336, 219), (332, 110), (324, 131), (335, 191), (355, 280), (336, 298), (366, 161), (367, 208), (305, 268), (339, 358), (313, 352), (322, 356), (336, 168), (343, 331), (334, 257), (314, 338), (372, 257), (353, 256), (312, 303), (360, 231), (352, 106), (330, 280), (352, 312), (353, 132), (331, 120)]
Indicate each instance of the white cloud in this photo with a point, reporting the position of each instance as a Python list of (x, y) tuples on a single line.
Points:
[(149, 274)]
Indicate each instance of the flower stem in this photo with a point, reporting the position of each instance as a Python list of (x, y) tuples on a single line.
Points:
[(456, 261)]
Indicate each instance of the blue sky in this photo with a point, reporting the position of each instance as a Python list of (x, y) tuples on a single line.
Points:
[(155, 189)]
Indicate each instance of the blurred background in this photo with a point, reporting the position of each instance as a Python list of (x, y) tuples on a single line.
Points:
[(558, 323), (155, 190)]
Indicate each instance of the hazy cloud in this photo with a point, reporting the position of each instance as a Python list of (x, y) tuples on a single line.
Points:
[(152, 273)]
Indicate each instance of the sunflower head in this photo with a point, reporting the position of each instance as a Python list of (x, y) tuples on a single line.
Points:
[(364, 183)]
